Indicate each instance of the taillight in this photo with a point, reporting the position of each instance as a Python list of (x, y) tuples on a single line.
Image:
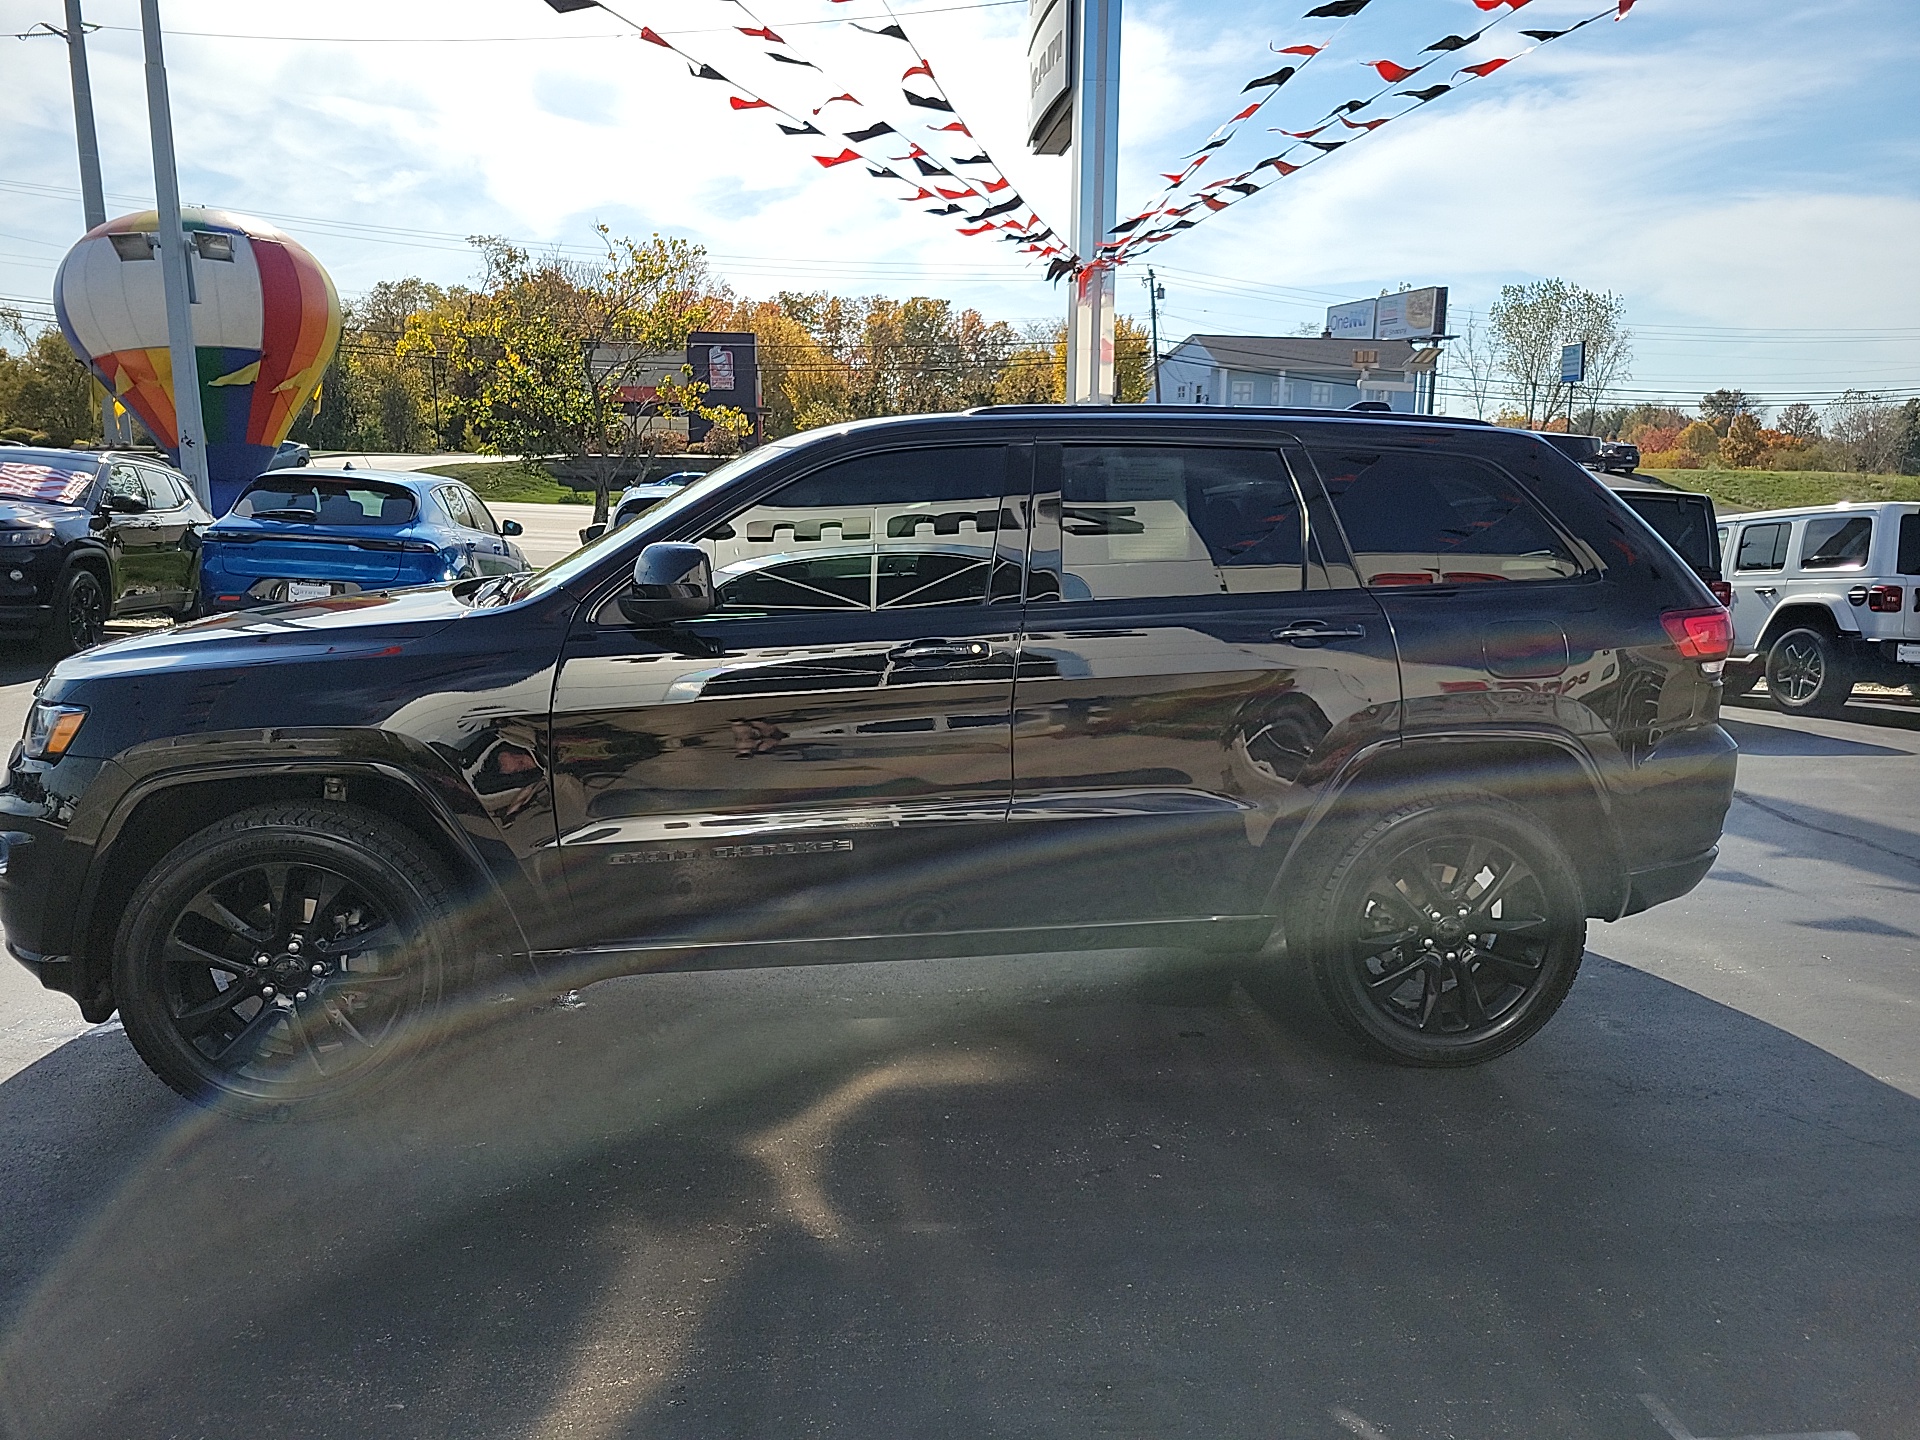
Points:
[(1722, 591), (1700, 634), (1887, 599)]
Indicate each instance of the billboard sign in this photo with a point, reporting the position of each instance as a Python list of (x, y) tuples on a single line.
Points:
[(1412, 314), (1573, 363), (1352, 321), (1409, 315), (1049, 77), (727, 362)]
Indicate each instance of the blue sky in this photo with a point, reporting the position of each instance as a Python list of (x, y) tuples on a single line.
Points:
[(1745, 173)]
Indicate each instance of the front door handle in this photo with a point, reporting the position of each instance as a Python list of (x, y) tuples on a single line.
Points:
[(1317, 632), (929, 652)]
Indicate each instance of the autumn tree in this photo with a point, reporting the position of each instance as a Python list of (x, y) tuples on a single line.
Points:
[(543, 351), (1720, 408)]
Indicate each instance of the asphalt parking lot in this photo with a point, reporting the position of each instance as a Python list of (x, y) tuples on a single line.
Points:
[(1056, 1196)]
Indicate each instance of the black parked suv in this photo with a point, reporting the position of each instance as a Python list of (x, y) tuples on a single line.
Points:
[(86, 536), (1418, 696)]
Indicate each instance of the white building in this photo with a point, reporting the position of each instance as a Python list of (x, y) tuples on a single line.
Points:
[(1293, 370)]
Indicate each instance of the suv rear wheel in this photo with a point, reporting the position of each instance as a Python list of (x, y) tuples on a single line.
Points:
[(1446, 932), (290, 953), (1807, 674)]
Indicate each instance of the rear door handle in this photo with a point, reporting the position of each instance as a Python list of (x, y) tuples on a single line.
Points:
[(1317, 632), (940, 651), (1765, 590)]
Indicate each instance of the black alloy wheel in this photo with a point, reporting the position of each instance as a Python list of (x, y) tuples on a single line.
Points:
[(290, 955), (79, 614), (1447, 932), (1807, 674)]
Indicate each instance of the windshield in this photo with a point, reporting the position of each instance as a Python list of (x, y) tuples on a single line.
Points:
[(326, 502), (47, 477), (631, 537)]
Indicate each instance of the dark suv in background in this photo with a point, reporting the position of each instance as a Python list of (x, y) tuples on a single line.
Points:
[(1418, 696), (87, 536)]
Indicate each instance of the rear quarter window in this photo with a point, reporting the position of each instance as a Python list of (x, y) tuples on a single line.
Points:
[(1418, 518), (1836, 542)]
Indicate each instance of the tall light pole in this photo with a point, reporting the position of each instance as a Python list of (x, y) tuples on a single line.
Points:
[(93, 200), (1095, 43), (176, 267)]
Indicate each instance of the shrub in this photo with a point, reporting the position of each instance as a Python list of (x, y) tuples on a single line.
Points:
[(1700, 440), (1669, 460)]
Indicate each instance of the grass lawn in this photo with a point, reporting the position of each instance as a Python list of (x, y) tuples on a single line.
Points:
[(1780, 489), (512, 481)]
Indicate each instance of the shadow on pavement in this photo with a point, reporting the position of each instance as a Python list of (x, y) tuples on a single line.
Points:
[(1758, 739), (1891, 712), (980, 1200), (1807, 832)]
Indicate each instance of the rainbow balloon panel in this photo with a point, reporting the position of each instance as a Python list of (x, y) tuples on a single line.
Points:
[(265, 324)]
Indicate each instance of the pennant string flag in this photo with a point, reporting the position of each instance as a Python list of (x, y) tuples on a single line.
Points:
[(795, 125), (1137, 237)]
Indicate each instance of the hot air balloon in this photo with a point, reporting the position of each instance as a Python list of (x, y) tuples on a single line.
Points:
[(265, 324)]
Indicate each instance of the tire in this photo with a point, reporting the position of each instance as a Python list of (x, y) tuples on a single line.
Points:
[(1807, 674), (1460, 977), (79, 614), (300, 887)]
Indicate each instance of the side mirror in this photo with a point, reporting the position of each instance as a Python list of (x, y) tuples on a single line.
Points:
[(512, 527), (592, 533), (670, 582)]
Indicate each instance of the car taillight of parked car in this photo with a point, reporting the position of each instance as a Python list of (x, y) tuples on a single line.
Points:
[(1703, 635), (1722, 591), (1887, 599)]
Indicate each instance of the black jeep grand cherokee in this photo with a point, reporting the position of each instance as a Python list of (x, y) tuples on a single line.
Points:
[(1420, 693)]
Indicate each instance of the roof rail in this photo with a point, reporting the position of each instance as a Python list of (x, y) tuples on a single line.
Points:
[(1228, 412)]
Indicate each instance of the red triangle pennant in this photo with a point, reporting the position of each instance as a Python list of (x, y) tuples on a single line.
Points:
[(1392, 73), (841, 159), (737, 103)]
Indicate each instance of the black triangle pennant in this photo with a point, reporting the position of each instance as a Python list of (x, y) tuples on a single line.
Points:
[(872, 132), (1276, 79), (890, 32), (927, 102), (800, 129)]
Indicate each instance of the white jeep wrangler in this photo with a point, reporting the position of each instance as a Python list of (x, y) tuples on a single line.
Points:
[(1823, 598)]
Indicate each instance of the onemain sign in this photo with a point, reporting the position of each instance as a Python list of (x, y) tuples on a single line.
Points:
[(1049, 77), (1409, 315)]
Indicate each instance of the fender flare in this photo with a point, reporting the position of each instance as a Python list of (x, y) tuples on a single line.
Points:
[(1353, 771), (447, 828), (1786, 617)]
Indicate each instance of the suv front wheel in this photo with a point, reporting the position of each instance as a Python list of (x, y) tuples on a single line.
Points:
[(1807, 674), (290, 953), (1446, 932)]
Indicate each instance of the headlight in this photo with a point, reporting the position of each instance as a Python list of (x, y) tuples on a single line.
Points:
[(38, 535), (51, 728)]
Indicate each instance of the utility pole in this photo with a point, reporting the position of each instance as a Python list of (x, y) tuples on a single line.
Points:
[(176, 268), (93, 201), (1095, 42), (1155, 294)]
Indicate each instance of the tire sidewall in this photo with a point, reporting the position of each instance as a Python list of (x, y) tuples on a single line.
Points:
[(199, 862), (59, 633), (1836, 685), (1337, 971)]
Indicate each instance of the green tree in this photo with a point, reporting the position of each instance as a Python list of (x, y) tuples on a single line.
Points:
[(46, 394), (1528, 324), (1719, 408), (1800, 420)]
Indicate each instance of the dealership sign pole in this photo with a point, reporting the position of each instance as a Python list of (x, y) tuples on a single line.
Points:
[(1073, 100)]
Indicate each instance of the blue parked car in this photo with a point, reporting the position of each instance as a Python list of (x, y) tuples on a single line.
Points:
[(308, 534)]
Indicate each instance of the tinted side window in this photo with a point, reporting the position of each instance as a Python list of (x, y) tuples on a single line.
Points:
[(1909, 561), (1836, 542), (1147, 520), (1763, 547), (481, 516), (455, 501), (162, 493), (124, 481), (902, 529), (1413, 518)]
